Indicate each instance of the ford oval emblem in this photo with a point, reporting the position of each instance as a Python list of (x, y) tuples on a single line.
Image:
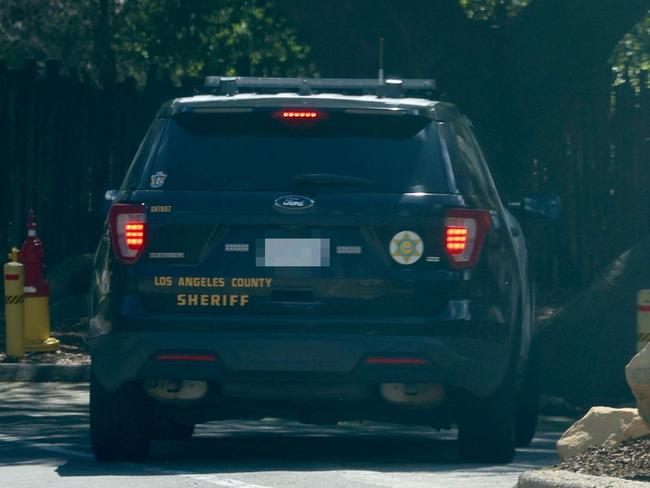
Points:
[(293, 202)]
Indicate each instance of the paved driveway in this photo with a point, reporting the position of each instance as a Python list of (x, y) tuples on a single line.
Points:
[(44, 442)]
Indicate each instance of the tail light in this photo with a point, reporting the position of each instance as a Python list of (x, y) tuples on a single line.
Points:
[(128, 226), (464, 234)]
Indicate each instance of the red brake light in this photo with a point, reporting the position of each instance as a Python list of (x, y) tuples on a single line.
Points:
[(299, 114), (464, 234), (456, 239), (134, 235), (128, 226), (290, 114)]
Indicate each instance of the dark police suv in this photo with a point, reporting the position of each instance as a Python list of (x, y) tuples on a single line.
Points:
[(318, 250)]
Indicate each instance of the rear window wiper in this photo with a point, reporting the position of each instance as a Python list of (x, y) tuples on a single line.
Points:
[(327, 179)]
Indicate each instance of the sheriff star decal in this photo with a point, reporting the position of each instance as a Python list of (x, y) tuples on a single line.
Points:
[(158, 179), (406, 247)]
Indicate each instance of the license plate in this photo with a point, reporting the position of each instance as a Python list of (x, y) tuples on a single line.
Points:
[(294, 253)]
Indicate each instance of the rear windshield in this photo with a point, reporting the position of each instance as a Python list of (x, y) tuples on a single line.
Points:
[(333, 151)]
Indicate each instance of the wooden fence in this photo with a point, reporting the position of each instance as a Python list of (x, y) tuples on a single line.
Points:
[(64, 142), (594, 151)]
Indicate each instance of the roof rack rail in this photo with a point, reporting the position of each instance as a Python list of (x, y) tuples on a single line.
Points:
[(393, 88)]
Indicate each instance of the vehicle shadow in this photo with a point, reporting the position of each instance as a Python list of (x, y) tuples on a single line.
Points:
[(276, 445), (49, 423)]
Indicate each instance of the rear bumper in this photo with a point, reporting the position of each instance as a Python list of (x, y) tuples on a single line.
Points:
[(477, 365)]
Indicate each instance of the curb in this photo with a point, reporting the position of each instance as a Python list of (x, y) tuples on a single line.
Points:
[(45, 372), (567, 479)]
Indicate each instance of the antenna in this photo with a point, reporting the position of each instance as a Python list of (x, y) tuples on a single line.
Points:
[(248, 17), (380, 76)]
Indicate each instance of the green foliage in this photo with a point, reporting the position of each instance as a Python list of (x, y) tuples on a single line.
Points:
[(492, 10), (631, 58), (41, 29), (231, 37), (179, 37)]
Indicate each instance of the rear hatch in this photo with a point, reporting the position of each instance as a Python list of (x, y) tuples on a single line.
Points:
[(296, 211)]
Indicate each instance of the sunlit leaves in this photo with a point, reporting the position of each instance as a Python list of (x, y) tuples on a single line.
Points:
[(631, 58), (179, 38), (492, 10)]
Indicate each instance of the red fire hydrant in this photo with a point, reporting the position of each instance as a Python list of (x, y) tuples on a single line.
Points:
[(37, 292)]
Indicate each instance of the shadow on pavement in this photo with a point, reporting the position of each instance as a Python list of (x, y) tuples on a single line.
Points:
[(276, 445), (51, 423)]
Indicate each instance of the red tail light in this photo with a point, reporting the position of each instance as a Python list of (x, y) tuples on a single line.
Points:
[(464, 234), (128, 225)]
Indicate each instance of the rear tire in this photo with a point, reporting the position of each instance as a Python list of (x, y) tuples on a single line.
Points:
[(486, 430), (170, 430), (528, 401), (119, 423)]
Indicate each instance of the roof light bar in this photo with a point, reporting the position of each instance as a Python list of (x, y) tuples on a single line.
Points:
[(230, 85)]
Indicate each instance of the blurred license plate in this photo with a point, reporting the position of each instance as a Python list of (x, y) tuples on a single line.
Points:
[(291, 253)]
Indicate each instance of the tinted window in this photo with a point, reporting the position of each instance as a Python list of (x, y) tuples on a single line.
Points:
[(470, 172), (134, 173), (258, 151)]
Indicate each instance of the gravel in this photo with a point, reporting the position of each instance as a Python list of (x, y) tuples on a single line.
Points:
[(73, 350), (629, 460)]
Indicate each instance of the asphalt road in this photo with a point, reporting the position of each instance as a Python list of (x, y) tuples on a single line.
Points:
[(44, 442)]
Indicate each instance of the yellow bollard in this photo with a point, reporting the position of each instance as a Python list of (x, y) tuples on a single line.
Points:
[(37, 324), (14, 279), (642, 319)]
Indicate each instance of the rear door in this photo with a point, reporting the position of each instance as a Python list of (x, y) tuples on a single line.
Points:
[(297, 212)]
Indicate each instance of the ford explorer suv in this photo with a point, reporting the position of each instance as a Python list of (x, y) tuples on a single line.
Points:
[(312, 249)]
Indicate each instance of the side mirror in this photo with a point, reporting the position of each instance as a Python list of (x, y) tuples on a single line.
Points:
[(542, 209), (109, 197)]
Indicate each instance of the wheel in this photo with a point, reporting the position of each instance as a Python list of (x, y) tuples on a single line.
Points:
[(119, 423), (528, 401), (486, 429), (171, 430)]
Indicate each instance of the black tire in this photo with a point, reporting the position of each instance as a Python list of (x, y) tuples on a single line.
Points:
[(119, 423), (170, 430), (528, 401), (486, 429)]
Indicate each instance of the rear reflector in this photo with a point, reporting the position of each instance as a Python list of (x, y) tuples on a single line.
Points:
[(397, 361), (206, 358), (464, 234), (128, 227)]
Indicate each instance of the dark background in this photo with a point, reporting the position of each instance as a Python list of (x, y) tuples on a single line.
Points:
[(557, 89)]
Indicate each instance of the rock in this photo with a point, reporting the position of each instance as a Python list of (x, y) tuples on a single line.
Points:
[(637, 374), (601, 426)]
